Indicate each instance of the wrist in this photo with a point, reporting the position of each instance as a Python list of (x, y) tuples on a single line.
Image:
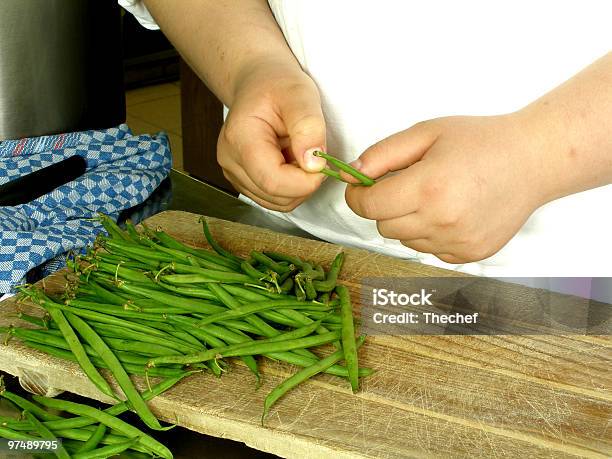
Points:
[(548, 151), (262, 72)]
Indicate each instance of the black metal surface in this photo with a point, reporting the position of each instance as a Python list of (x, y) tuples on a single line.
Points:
[(192, 195)]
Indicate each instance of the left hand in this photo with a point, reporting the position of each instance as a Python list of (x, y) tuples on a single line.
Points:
[(464, 185)]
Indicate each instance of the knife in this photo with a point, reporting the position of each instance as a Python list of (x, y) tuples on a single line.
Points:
[(31, 186)]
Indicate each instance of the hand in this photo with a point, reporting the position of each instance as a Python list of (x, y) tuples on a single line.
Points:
[(273, 126), (464, 185)]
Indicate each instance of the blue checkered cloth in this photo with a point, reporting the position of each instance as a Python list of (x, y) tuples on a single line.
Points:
[(122, 171)]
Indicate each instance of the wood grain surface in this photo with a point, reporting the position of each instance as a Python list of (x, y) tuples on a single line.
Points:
[(431, 396)]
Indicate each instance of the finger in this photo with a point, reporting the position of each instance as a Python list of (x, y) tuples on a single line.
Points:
[(449, 258), (265, 165), (240, 177), (411, 226), (391, 197), (303, 118), (398, 151), (267, 204), (420, 245)]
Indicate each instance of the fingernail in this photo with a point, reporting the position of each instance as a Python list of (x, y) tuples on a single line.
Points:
[(311, 162), (357, 164)]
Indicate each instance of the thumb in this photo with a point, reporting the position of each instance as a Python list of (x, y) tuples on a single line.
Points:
[(398, 151), (305, 125)]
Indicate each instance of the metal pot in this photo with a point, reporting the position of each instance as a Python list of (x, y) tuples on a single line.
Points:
[(60, 66)]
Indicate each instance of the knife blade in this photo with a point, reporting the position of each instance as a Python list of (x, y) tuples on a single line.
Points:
[(36, 184)]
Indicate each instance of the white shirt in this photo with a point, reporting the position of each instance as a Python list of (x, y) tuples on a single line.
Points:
[(383, 66)]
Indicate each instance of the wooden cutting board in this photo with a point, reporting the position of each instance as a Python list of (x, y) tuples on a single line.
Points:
[(432, 396)]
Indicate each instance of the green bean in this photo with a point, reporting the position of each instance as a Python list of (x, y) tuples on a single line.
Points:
[(195, 292), (248, 268), (330, 319), (180, 334), (118, 344), (269, 262), (186, 279), (215, 336), (136, 252), (221, 276), (253, 308), (105, 294), (228, 300), (252, 348), (172, 243), (117, 369), (46, 434), (109, 421), (124, 273), (111, 227), (110, 320), (332, 173), (10, 434), (81, 435), (301, 376), (125, 333), (302, 361), (42, 322), (215, 245), (291, 259), (287, 285), (134, 369), (175, 300), (332, 276), (348, 337), (106, 451), (94, 440), (26, 405), (77, 348), (119, 256), (119, 311), (115, 410), (311, 293), (364, 179)]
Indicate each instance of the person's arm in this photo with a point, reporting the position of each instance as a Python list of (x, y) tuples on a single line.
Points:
[(275, 116), (466, 185)]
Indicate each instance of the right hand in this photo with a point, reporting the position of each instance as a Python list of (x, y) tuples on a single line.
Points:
[(274, 124)]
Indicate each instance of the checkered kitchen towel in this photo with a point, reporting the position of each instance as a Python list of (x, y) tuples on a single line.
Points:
[(122, 171)]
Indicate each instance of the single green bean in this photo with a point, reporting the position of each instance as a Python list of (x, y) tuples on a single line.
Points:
[(348, 337), (215, 245)]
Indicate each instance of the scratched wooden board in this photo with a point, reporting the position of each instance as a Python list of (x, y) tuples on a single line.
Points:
[(431, 396)]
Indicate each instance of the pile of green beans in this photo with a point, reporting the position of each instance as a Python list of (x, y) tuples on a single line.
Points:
[(144, 303), (85, 432)]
